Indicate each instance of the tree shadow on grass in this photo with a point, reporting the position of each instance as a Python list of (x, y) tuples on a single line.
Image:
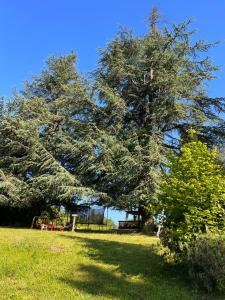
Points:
[(128, 271), (98, 281)]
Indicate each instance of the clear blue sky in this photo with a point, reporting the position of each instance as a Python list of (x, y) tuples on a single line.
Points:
[(32, 30)]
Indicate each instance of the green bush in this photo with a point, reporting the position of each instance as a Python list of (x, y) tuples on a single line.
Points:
[(174, 241), (192, 195), (206, 261)]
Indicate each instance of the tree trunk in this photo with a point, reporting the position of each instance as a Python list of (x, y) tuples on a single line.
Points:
[(147, 221)]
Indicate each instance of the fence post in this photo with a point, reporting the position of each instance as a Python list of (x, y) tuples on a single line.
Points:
[(74, 222)]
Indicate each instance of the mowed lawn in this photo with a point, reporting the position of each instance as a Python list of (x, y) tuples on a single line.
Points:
[(56, 265)]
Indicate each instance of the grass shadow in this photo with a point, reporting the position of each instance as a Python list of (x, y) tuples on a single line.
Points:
[(128, 271), (97, 281)]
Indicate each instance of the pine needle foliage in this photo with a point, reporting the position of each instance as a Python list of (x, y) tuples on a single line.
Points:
[(63, 137), (158, 82), (152, 89)]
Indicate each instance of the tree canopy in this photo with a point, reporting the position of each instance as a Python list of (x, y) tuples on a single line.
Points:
[(63, 136)]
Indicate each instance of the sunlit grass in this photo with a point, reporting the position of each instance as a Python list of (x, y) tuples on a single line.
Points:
[(56, 265)]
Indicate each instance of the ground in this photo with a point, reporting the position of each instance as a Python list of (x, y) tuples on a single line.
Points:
[(61, 265)]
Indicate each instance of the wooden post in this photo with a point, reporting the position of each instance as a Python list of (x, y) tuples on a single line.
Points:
[(158, 231), (107, 218), (74, 222)]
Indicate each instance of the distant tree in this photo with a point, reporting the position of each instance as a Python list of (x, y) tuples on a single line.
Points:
[(192, 194)]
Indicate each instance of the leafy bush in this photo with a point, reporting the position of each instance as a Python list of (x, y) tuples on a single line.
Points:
[(192, 194), (206, 261), (175, 240)]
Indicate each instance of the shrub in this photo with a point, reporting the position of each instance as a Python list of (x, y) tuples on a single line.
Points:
[(206, 261), (192, 195)]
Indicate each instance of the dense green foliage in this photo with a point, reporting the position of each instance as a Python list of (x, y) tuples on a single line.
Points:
[(63, 137), (206, 261), (151, 88), (192, 194), (33, 135)]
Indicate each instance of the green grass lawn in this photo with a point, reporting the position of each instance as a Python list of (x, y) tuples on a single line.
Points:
[(56, 265)]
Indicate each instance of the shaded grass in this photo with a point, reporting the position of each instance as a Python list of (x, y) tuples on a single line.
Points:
[(53, 265)]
